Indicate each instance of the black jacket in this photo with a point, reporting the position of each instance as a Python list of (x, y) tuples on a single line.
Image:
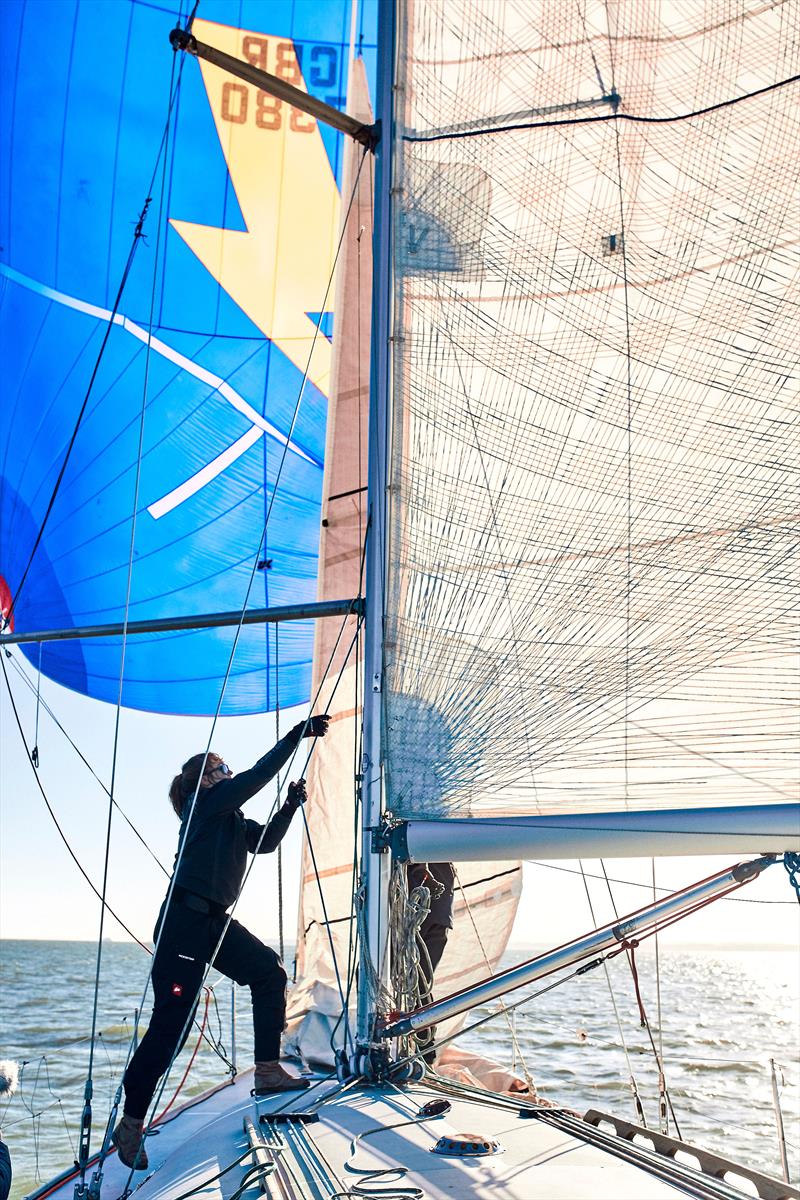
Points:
[(219, 837), (5, 1171)]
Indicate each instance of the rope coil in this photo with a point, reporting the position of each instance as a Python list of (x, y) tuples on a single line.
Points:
[(792, 864)]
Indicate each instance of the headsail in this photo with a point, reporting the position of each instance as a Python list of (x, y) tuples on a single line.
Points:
[(326, 920), (239, 251), (594, 557)]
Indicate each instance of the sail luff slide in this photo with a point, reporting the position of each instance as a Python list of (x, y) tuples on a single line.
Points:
[(653, 833)]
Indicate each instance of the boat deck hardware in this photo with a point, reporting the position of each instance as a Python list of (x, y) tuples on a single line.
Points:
[(466, 1145), (284, 1118), (709, 1163), (262, 1155), (435, 1108)]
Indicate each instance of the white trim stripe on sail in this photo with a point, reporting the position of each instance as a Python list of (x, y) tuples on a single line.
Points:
[(199, 480)]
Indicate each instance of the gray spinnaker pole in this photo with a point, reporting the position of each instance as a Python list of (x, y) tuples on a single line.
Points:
[(597, 942), (184, 39), (218, 620), (374, 863)]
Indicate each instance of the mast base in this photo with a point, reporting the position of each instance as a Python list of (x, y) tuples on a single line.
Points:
[(373, 1063)]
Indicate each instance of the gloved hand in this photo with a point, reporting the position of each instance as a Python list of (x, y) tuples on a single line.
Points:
[(297, 796), (317, 726)]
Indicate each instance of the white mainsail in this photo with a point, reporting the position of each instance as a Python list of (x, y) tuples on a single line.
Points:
[(594, 557)]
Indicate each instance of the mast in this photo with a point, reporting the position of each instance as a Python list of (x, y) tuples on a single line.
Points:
[(374, 862)]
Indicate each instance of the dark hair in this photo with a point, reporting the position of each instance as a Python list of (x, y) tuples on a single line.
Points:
[(184, 785)]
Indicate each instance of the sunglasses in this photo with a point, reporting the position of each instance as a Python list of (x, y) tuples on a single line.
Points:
[(222, 767)]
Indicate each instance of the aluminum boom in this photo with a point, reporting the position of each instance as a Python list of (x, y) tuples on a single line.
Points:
[(597, 942), (252, 616), (653, 833)]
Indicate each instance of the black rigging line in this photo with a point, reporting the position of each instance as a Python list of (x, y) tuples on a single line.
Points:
[(157, 1098), (228, 669), (61, 833), (163, 157), (613, 99), (633, 883), (352, 917), (630, 957), (29, 684), (137, 237)]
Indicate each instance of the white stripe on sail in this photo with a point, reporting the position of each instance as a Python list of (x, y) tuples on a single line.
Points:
[(221, 462), (209, 472)]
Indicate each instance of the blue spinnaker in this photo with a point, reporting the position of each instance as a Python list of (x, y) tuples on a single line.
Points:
[(214, 336)]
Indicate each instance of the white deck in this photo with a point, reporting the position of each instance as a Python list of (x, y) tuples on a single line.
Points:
[(538, 1161)]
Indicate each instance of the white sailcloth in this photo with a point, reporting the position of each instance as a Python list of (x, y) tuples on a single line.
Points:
[(595, 488)]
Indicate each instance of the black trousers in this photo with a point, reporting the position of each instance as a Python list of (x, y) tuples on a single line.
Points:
[(434, 938), (187, 944)]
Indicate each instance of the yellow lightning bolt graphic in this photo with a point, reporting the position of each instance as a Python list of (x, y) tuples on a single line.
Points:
[(279, 269)]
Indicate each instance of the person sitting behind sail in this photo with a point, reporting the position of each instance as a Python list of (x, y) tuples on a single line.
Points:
[(439, 878), (213, 845)]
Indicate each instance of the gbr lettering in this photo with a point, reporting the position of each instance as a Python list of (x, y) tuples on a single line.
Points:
[(241, 103)]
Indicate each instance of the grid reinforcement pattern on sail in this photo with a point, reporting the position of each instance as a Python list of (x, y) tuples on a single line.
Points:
[(593, 572)]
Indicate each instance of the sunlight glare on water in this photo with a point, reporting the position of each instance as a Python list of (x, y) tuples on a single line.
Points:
[(725, 1014)]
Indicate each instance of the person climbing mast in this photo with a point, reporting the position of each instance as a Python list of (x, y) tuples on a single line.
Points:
[(214, 841)]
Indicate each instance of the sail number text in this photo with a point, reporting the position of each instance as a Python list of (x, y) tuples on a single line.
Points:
[(241, 103)]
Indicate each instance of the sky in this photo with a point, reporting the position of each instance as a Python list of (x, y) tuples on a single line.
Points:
[(43, 896)]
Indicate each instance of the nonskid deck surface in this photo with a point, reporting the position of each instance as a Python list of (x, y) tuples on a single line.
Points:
[(537, 1161)]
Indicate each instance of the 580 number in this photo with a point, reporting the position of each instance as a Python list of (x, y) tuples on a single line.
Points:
[(241, 103)]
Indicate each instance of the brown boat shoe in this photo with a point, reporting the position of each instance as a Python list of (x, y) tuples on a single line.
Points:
[(128, 1138), (272, 1077)]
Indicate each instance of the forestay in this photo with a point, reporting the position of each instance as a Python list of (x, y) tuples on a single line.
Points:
[(593, 563)]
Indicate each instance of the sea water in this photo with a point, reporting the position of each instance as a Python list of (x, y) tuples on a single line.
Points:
[(724, 1015)]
